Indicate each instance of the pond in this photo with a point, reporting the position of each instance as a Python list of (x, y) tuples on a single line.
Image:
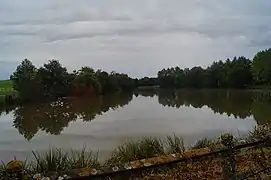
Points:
[(102, 123)]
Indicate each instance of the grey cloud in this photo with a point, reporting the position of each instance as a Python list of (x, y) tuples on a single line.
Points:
[(123, 34), (62, 20), (262, 40)]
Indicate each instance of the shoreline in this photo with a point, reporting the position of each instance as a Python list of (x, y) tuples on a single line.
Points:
[(148, 147)]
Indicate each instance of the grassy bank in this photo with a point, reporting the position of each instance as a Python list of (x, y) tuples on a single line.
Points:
[(6, 87), (58, 160)]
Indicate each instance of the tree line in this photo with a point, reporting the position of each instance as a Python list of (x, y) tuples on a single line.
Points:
[(240, 72), (52, 80)]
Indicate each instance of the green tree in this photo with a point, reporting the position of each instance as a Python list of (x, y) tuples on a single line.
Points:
[(261, 67), (195, 77), (24, 80), (86, 81), (146, 81), (55, 79), (239, 73), (106, 84)]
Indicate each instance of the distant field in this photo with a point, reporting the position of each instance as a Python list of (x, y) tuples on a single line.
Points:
[(6, 87)]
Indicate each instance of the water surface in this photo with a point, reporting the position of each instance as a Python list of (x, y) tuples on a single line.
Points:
[(102, 123)]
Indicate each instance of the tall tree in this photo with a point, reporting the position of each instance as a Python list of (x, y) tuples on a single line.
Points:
[(54, 79), (240, 75), (86, 81), (24, 80), (261, 67)]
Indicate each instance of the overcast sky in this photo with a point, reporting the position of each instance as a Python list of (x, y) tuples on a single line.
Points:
[(138, 37)]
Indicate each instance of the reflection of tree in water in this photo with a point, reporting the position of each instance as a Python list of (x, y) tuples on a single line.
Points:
[(88, 108), (240, 104), (25, 121), (147, 92), (4, 109), (53, 117), (49, 117), (262, 111)]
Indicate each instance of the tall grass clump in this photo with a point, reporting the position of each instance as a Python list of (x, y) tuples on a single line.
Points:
[(206, 143), (57, 160), (82, 159), (134, 150), (260, 132), (151, 147), (53, 160), (175, 144)]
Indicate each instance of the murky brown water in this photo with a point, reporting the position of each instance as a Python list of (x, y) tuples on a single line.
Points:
[(102, 123)]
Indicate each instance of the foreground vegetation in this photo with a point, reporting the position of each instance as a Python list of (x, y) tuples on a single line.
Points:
[(57, 160)]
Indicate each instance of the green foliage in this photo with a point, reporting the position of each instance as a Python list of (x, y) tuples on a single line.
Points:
[(24, 79), (261, 67), (52, 80), (146, 81), (229, 74), (85, 81), (6, 87)]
